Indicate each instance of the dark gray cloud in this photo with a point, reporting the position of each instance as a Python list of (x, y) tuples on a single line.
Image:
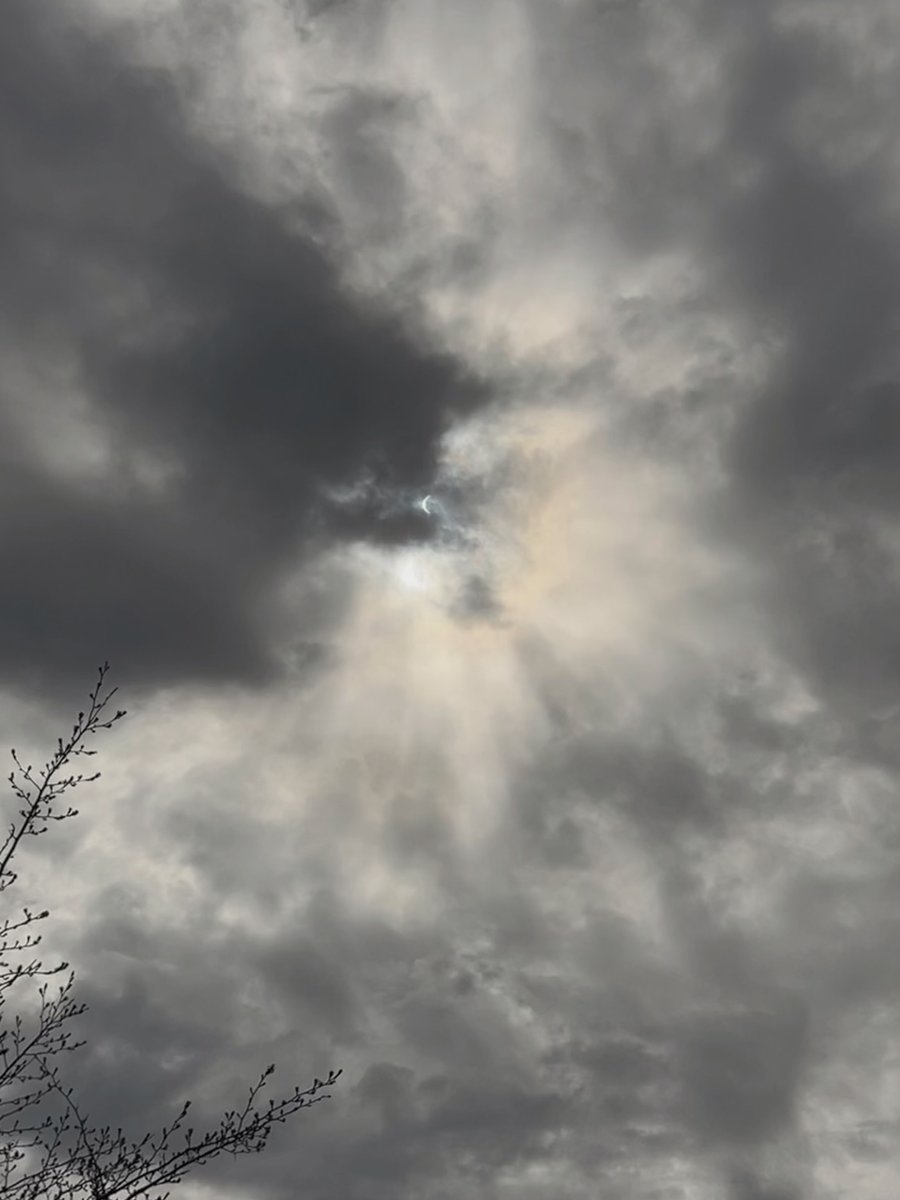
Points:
[(802, 248), (785, 209), (741, 1075), (209, 335), (816, 263)]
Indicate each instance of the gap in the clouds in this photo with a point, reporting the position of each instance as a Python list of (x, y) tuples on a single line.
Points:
[(416, 573)]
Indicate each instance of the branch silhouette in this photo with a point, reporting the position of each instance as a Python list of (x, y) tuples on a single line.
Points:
[(48, 1148)]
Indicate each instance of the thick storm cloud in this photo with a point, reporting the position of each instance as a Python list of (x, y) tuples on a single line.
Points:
[(219, 378)]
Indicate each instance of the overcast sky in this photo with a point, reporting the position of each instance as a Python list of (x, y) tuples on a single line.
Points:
[(470, 429)]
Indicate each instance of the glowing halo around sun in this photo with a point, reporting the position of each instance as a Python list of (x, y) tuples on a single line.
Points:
[(584, 569)]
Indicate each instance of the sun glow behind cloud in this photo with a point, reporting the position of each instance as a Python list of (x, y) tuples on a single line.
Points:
[(442, 707)]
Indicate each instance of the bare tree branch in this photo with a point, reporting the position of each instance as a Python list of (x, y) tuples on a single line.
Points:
[(48, 1148)]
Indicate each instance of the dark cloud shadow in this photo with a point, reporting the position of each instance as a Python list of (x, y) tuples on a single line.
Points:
[(814, 269), (215, 342)]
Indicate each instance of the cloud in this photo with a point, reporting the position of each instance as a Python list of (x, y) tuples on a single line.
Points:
[(561, 816), (226, 380)]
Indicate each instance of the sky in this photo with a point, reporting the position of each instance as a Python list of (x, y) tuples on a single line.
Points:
[(470, 431)]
